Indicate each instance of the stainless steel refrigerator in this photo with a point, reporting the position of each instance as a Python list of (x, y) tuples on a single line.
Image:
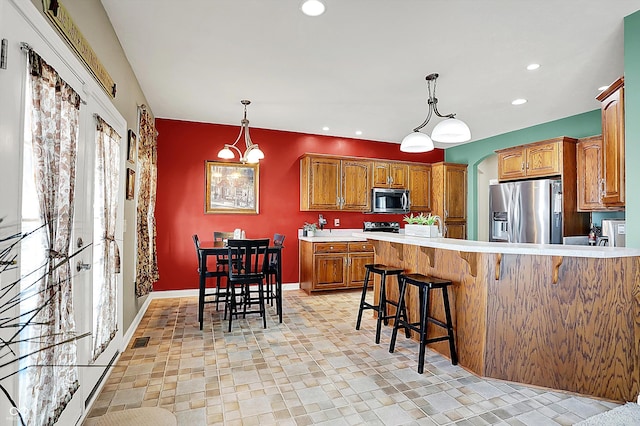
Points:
[(526, 212)]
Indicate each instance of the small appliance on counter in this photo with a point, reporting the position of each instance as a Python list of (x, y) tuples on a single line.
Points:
[(613, 233), (381, 227)]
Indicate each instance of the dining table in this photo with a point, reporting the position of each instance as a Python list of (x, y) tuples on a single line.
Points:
[(219, 248)]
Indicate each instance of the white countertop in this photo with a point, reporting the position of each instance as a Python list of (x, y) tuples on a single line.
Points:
[(333, 235), (506, 248)]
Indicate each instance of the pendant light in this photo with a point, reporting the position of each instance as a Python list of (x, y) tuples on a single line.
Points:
[(252, 153), (451, 130)]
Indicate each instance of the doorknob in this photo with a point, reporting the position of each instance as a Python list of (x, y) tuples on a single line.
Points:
[(82, 266)]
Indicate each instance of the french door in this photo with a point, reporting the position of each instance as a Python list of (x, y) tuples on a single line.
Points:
[(20, 22)]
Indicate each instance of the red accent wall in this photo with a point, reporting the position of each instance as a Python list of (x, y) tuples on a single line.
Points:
[(183, 148)]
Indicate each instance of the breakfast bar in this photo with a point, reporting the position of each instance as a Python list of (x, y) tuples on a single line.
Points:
[(562, 317)]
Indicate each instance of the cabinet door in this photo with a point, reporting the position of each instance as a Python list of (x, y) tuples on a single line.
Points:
[(330, 271), (324, 184), (380, 175), (398, 174), (420, 188), (356, 192), (589, 173), (543, 160), (357, 270), (613, 148), (511, 164), (455, 230), (455, 193)]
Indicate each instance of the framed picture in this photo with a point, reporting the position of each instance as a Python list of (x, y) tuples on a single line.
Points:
[(132, 146), (231, 188), (131, 183)]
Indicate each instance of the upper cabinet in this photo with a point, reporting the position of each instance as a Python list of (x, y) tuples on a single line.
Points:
[(420, 188), (540, 159), (612, 105), (589, 164), (449, 197), (332, 183), (390, 175)]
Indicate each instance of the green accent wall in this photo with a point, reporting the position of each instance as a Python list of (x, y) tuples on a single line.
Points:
[(632, 125), (577, 126)]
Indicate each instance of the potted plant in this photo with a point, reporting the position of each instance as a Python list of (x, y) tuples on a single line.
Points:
[(422, 225), (309, 229)]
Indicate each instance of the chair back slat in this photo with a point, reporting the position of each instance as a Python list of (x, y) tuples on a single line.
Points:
[(247, 259)]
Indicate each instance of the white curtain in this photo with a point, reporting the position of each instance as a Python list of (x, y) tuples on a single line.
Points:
[(50, 363), (105, 248)]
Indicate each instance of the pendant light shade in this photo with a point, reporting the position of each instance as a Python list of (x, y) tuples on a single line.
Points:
[(252, 153), (451, 130), (416, 142)]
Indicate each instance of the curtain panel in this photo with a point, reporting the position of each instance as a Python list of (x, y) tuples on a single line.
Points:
[(106, 257), (52, 377), (147, 262)]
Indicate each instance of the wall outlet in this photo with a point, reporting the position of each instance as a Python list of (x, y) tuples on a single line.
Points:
[(336, 222)]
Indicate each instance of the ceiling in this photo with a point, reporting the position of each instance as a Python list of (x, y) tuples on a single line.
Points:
[(362, 64)]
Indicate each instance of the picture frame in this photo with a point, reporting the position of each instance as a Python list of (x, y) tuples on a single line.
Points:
[(231, 188), (131, 183), (132, 146)]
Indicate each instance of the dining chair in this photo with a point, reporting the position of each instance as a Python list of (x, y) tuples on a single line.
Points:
[(248, 260), (218, 292), (271, 287)]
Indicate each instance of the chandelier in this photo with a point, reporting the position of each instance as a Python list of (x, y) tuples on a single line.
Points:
[(252, 153), (450, 130)]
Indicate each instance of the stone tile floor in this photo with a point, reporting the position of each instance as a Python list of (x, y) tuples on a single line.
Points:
[(315, 368)]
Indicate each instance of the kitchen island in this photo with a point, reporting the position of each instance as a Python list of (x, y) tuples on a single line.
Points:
[(563, 317)]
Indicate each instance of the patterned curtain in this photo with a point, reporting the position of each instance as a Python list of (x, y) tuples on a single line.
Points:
[(53, 377), (147, 265), (106, 257)]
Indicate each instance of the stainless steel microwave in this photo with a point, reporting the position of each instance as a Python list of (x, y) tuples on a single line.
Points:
[(385, 200)]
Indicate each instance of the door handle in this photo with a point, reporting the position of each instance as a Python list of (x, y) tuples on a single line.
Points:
[(82, 266)]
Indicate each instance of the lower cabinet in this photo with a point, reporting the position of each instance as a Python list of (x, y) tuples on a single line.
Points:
[(333, 266)]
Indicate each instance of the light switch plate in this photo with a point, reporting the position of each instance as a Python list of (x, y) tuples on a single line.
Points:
[(336, 222)]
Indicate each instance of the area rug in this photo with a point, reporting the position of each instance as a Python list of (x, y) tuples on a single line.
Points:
[(145, 416), (625, 415)]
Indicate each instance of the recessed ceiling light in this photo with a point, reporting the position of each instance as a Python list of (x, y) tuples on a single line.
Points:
[(532, 67), (518, 101), (312, 8), (325, 128), (601, 88), (358, 132)]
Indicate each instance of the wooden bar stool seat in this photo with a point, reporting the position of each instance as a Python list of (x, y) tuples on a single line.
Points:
[(425, 284)]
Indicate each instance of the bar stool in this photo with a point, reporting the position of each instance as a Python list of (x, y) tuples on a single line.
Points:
[(381, 307), (425, 284)]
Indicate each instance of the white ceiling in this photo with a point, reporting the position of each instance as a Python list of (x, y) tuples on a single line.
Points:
[(362, 65)]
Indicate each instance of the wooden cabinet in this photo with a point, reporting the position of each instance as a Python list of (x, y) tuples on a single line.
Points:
[(390, 175), (419, 186), (332, 183), (531, 161), (613, 175), (333, 266), (589, 164), (449, 197)]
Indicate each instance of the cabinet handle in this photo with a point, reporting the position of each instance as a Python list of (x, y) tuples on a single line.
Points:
[(527, 165), (446, 213), (603, 189), (522, 168)]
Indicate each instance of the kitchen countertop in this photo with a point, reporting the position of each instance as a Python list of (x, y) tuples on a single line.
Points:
[(333, 235), (505, 248)]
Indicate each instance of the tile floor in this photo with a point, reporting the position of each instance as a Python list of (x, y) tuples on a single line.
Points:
[(315, 368)]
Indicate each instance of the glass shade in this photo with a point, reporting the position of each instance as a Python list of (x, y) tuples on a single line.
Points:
[(416, 142), (451, 130), (226, 153), (312, 8)]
